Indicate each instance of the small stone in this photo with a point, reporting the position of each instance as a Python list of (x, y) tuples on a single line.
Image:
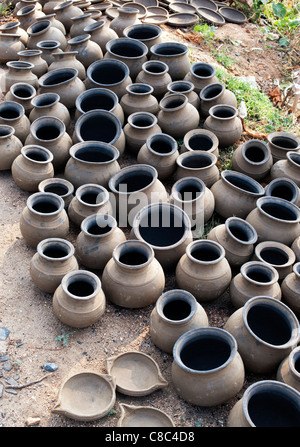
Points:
[(7, 366), (11, 391), (5, 358), (1, 389), (50, 367), (32, 421), (12, 382), (4, 332)]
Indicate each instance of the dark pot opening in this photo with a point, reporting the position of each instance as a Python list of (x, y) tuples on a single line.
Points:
[(177, 309), (58, 78), (283, 192), (205, 253), (279, 211), (189, 192), (36, 155), (203, 71), (23, 92), (4, 132), (205, 353), (211, 92), (97, 128), (174, 103), (45, 206), (97, 230), (106, 75), (81, 288), (45, 100), (142, 33), (155, 67), (200, 142), (170, 50), (274, 256), (91, 197), (48, 132), (94, 154), (255, 154), (223, 113), (9, 112), (55, 251), (95, 101), (196, 161), (140, 88), (242, 233), (127, 49), (161, 145), (259, 275), (242, 183), (39, 26), (295, 158), (284, 142), (133, 181), (133, 257), (57, 188), (142, 121), (180, 87)]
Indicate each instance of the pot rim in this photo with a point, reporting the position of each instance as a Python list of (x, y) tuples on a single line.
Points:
[(11, 131), (49, 195), (79, 39), (182, 295), (57, 180), (63, 53), (28, 9), (9, 25), (251, 229), (51, 73), (29, 147), (147, 250), (81, 274), (258, 143), (174, 191), (94, 26), (63, 5), (208, 87), (279, 201), (111, 222), (260, 188), (200, 242), (292, 359), (296, 269), (99, 112), (24, 84), (41, 96), (245, 267), (143, 25), (154, 62), (130, 89), (202, 64), (63, 242), (128, 40), (30, 52), (164, 136), (175, 83), (20, 65), (286, 135), (213, 109), (17, 106), (108, 62), (81, 16), (56, 44), (291, 155), (95, 90), (202, 132), (194, 154), (131, 118), (159, 45), (77, 146), (35, 125), (122, 173), (30, 29), (290, 182), (170, 97), (13, 36), (128, 10), (91, 186), (279, 247)]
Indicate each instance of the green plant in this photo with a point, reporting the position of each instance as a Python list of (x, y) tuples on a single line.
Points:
[(5, 8), (205, 30), (64, 337)]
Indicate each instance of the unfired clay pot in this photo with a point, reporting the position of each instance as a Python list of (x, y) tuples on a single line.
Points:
[(79, 23), (201, 74), (99, 98), (296, 248), (200, 164), (276, 254), (139, 98), (28, 15), (20, 71), (253, 158), (200, 140), (156, 74), (65, 11), (87, 50), (11, 44), (10, 146), (68, 59), (287, 168), (288, 371), (127, 16), (59, 186), (290, 288), (282, 142), (140, 125), (14, 28), (148, 33), (143, 416), (13, 114), (101, 33), (224, 122), (43, 30), (214, 94), (284, 188), (48, 104), (22, 93), (49, 48), (175, 55), (34, 57), (187, 89)]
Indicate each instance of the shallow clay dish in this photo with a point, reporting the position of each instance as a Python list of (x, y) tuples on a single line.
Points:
[(136, 374), (112, 12), (102, 6), (142, 9), (232, 15), (156, 19), (210, 4), (140, 416), (211, 16), (181, 19), (148, 3), (86, 396), (182, 7), (157, 10)]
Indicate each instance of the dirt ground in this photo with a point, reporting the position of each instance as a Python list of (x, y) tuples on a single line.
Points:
[(27, 312)]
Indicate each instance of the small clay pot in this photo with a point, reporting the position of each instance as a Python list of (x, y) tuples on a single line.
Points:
[(28, 15), (296, 248), (22, 93), (253, 158), (13, 114), (10, 146), (34, 57), (282, 142), (140, 125), (49, 48), (10, 44), (287, 168), (148, 33), (54, 22), (110, 74), (215, 94), (14, 28), (276, 254), (20, 71), (99, 98), (65, 11), (43, 30), (284, 188), (59, 186), (68, 59), (201, 74), (175, 55), (100, 33), (79, 23), (290, 288), (156, 74), (126, 16), (200, 164), (288, 370), (224, 122), (187, 89), (200, 140), (139, 98), (48, 104), (87, 50)]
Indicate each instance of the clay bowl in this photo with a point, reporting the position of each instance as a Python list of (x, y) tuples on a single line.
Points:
[(112, 12), (209, 4), (182, 7), (143, 416), (232, 15), (157, 10), (136, 374), (211, 16), (148, 3), (142, 9), (182, 19), (156, 19)]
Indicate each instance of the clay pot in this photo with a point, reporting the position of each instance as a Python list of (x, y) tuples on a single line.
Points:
[(98, 237), (148, 33), (99, 98), (22, 3), (288, 370), (134, 187), (54, 22), (68, 59), (10, 146), (13, 114), (166, 228), (59, 186), (127, 16), (290, 288), (87, 50), (133, 278), (236, 194), (288, 168), (207, 369), (160, 151), (140, 415), (48, 48), (200, 140), (49, 6), (255, 279), (187, 89), (200, 164), (266, 403), (110, 74), (175, 313), (215, 94), (130, 51), (42, 30), (49, 105), (175, 55), (22, 93), (276, 254), (140, 125), (65, 11), (282, 142), (100, 33), (10, 46), (64, 82), (33, 165), (156, 74), (224, 122), (237, 237), (14, 28), (79, 23), (275, 219), (139, 98), (177, 116), (266, 331), (43, 217), (79, 300), (28, 15), (253, 158), (91, 162), (52, 261), (89, 199), (284, 188), (19, 71), (34, 57), (201, 74), (100, 125), (296, 248)]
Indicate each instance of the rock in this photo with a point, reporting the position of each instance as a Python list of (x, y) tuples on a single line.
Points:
[(7, 366), (50, 367), (4, 332), (32, 421), (1, 389)]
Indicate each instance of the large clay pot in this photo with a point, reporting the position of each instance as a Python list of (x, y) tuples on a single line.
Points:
[(237, 237), (52, 261), (42, 30), (59, 186), (10, 46), (33, 165), (200, 164), (236, 194), (79, 23), (296, 248), (266, 403), (13, 114), (207, 369), (187, 89), (177, 116), (266, 331), (87, 50), (284, 188), (140, 125), (54, 22), (175, 55), (133, 278), (97, 239), (44, 216), (275, 219), (201, 74), (139, 98), (126, 16), (148, 33), (287, 168), (99, 98), (165, 227), (14, 28), (215, 94), (65, 11), (48, 104), (68, 59), (282, 142), (156, 74), (101, 33), (276, 254), (79, 300), (91, 162), (253, 158), (288, 371), (34, 57), (20, 71), (49, 6), (22, 93), (224, 122), (175, 313), (28, 15), (110, 74), (200, 140), (50, 132), (22, 3), (10, 146), (290, 288)]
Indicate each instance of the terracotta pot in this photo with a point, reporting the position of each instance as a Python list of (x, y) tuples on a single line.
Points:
[(215, 94), (98, 237), (236, 194), (20, 71), (288, 168), (110, 74), (44, 216), (140, 415), (13, 114), (68, 59), (79, 23), (139, 98), (201, 74), (177, 116), (10, 44), (175, 55), (22, 3), (266, 403), (28, 15), (10, 146), (253, 158), (275, 219), (91, 162), (14, 28), (276, 254), (126, 16), (133, 278), (237, 237), (166, 228), (34, 57), (22, 93), (290, 288), (87, 50), (282, 142), (33, 165), (130, 51), (156, 74), (48, 104), (187, 89), (160, 151), (48, 48), (64, 82), (296, 248), (288, 370), (89, 199), (59, 186), (65, 11), (49, 6), (148, 33), (224, 122), (200, 164), (200, 139), (99, 98), (266, 331), (52, 261), (42, 30), (140, 125), (284, 188), (101, 33), (54, 22), (207, 369), (175, 313), (79, 300)]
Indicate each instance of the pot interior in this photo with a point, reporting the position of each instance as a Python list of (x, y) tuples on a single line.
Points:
[(103, 74), (205, 252), (57, 188), (96, 101), (56, 251), (142, 33), (48, 132), (284, 142), (200, 142), (274, 255), (279, 211), (242, 183), (259, 274), (128, 49), (176, 309), (23, 92), (283, 191), (205, 353), (255, 154), (133, 181), (203, 71), (92, 197), (169, 50), (133, 256), (58, 78), (36, 155), (94, 154), (80, 287), (98, 128), (196, 161), (189, 191), (161, 145), (45, 206), (241, 232)]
